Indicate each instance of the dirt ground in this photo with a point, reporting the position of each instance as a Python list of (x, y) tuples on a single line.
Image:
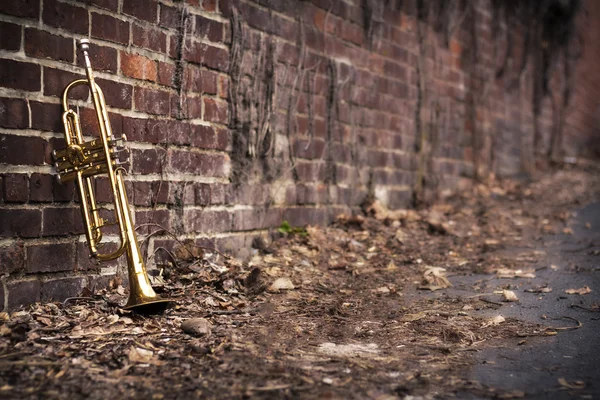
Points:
[(381, 305)]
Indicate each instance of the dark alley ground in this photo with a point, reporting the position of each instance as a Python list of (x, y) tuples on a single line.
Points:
[(492, 293)]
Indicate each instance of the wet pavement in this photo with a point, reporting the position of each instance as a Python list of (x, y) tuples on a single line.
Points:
[(531, 367)]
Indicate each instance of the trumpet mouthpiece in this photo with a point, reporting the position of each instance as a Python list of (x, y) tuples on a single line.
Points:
[(84, 44)]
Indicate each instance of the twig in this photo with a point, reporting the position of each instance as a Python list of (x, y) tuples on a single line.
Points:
[(567, 328), (490, 301), (90, 299), (585, 308)]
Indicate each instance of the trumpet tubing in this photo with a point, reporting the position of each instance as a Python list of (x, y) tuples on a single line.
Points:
[(81, 162)]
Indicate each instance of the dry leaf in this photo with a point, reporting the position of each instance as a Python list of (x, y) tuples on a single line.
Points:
[(509, 273), (434, 278), (571, 385), (281, 284), (139, 355), (497, 320), (581, 291)]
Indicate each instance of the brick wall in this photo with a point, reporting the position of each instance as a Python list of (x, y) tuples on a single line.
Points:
[(242, 114)]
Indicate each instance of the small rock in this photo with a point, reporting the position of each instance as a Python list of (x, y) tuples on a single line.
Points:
[(196, 327)]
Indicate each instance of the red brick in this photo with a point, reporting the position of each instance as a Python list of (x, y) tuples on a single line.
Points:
[(191, 107), (16, 188), (209, 29), (170, 17), (110, 28), (40, 186), (139, 67), (22, 293), (215, 111), (24, 8), (112, 5), (204, 137), (142, 9), (61, 289), (206, 221), (200, 80), (116, 94), (11, 150), (152, 101), (147, 161), (223, 87), (205, 54), (42, 44), (166, 73), (102, 58), (66, 16), (142, 194), (12, 258), (46, 116), (149, 38), (62, 192), (55, 257), (61, 221), (143, 130), (11, 36), (13, 113), (25, 223), (20, 75), (55, 81), (198, 163), (210, 5)]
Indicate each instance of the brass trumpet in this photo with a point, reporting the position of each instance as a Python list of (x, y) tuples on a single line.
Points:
[(81, 161)]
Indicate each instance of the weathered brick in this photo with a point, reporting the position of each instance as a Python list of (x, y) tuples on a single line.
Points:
[(61, 221), (102, 58), (24, 9), (12, 258), (55, 81), (42, 44), (62, 192), (117, 94), (66, 16), (63, 288), (191, 108), (16, 188), (147, 161), (11, 36), (142, 9), (198, 163), (166, 73), (55, 257), (209, 29), (25, 223), (206, 221), (40, 187), (20, 75), (200, 80), (22, 293), (152, 101), (151, 219), (149, 38), (112, 5), (11, 150), (139, 67), (205, 54), (170, 17), (110, 28), (215, 111), (46, 116), (210, 5), (13, 113)]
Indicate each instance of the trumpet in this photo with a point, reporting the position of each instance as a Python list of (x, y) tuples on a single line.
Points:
[(82, 161)]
